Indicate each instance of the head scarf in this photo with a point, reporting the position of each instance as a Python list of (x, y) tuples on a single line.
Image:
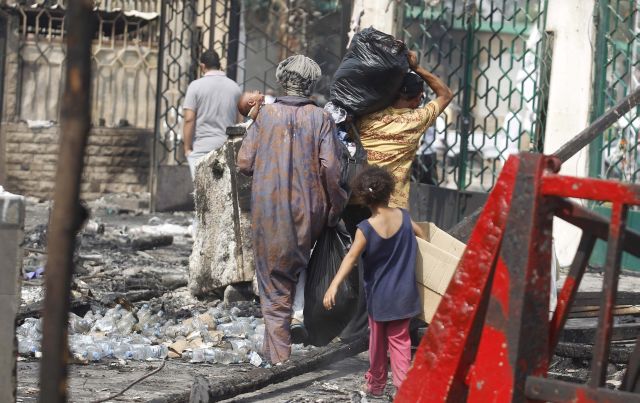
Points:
[(298, 74)]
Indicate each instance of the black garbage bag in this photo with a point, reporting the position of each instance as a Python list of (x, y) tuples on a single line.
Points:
[(371, 73), (324, 325)]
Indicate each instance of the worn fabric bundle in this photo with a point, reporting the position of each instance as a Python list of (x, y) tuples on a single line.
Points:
[(323, 325), (371, 73)]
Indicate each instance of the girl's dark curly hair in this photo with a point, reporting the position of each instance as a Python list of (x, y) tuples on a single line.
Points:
[(373, 186)]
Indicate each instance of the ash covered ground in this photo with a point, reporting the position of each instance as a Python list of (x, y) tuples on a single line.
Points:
[(132, 308), (131, 266)]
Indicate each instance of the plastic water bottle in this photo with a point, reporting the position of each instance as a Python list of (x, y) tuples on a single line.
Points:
[(92, 353), (106, 347), (145, 315), (108, 323), (217, 355), (28, 346), (153, 331), (258, 341), (143, 352), (31, 328), (78, 325), (158, 351), (242, 346), (224, 319), (123, 351), (236, 329), (125, 324), (215, 312)]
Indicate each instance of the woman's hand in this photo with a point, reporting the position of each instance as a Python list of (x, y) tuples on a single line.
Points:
[(329, 300)]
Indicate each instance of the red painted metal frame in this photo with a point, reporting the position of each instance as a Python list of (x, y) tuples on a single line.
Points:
[(491, 338)]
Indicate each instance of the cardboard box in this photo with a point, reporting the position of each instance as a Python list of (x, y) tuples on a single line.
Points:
[(441, 239), (436, 263)]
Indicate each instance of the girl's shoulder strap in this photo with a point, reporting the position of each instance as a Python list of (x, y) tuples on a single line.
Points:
[(365, 227), (406, 219)]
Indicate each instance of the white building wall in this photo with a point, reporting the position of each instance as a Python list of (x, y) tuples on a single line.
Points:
[(379, 14), (570, 94)]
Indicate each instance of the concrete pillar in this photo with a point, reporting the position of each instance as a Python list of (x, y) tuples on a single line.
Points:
[(380, 14), (12, 211), (570, 97)]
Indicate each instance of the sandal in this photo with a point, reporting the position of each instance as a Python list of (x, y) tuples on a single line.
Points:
[(298, 332)]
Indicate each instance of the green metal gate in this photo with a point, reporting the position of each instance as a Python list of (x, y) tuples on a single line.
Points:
[(614, 154), (494, 55)]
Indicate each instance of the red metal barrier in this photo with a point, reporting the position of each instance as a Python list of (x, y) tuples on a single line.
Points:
[(491, 339)]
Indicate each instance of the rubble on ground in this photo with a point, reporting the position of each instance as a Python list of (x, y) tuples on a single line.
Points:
[(132, 307), (129, 296)]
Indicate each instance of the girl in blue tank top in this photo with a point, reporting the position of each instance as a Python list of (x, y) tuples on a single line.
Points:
[(388, 246)]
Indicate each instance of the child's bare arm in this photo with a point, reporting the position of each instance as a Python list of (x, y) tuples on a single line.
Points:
[(346, 266), (418, 231)]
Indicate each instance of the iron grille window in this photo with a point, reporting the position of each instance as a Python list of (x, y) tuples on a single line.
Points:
[(124, 57)]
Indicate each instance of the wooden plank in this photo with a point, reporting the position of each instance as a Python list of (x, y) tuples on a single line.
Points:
[(594, 298), (592, 311), (586, 333)]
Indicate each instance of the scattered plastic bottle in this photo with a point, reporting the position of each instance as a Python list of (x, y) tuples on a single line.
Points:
[(139, 352), (242, 346), (258, 341), (125, 324), (144, 315), (224, 319), (217, 355), (236, 329), (108, 323), (28, 346), (215, 312), (152, 331), (235, 312), (255, 359), (92, 353), (78, 325), (31, 329), (123, 351)]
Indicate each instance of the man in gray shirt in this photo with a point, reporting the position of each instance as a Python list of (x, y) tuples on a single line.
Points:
[(210, 106)]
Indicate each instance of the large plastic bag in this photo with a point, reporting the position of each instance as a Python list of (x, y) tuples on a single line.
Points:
[(371, 73), (323, 325)]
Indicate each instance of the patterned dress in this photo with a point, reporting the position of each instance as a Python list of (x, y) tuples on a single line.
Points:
[(292, 153), (391, 138)]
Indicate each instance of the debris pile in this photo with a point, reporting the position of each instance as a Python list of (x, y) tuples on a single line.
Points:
[(130, 299), (221, 334)]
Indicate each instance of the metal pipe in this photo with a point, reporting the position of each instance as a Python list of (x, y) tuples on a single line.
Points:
[(233, 42), (585, 137), (600, 360), (68, 215), (153, 177)]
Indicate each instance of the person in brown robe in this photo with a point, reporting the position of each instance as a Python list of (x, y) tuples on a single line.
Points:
[(292, 153)]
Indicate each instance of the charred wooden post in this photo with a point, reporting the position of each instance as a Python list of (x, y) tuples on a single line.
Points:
[(68, 215)]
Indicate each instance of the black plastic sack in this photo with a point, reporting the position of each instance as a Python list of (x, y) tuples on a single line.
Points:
[(352, 165), (371, 73), (324, 325)]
